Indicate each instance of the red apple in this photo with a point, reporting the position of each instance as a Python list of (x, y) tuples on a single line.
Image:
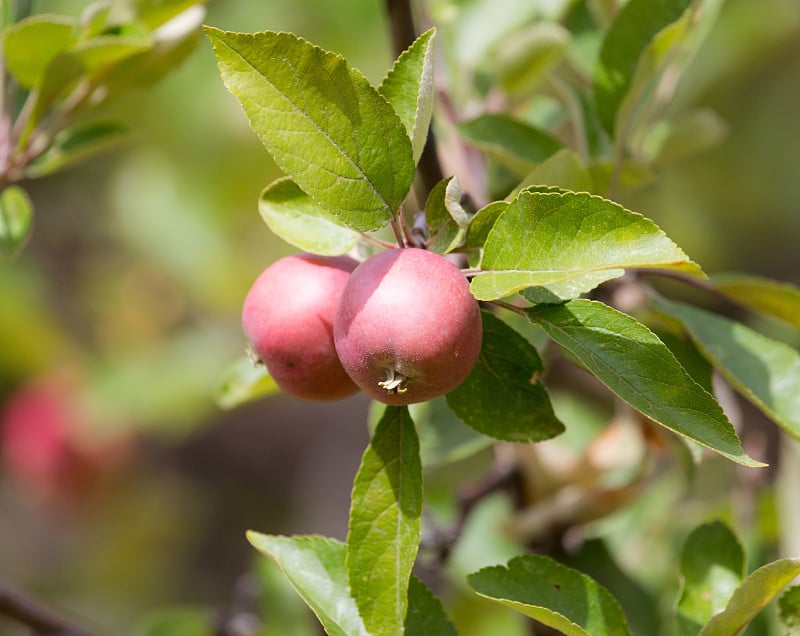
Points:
[(288, 320), (407, 328)]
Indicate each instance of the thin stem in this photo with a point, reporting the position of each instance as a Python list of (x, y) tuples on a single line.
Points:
[(504, 305), (407, 234), (35, 614), (398, 234), (377, 241)]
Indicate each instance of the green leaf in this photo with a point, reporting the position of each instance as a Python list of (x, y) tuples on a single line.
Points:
[(482, 222), (569, 243), (172, 43), (553, 594), (517, 145), (31, 44), (712, 567), (503, 397), (292, 215), (243, 382), (385, 515), (16, 221), (631, 361), (690, 134), (752, 596), (563, 170), (155, 13), (443, 438), (672, 47), (765, 371), (781, 300), (76, 143), (323, 123), (446, 219), (636, 25), (519, 61), (315, 567), (789, 607), (426, 616), (408, 87)]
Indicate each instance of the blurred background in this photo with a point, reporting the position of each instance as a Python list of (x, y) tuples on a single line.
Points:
[(123, 488)]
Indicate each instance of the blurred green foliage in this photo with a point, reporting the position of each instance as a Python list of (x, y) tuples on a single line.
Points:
[(140, 258)]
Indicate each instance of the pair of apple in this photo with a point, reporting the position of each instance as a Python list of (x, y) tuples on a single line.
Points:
[(402, 326)]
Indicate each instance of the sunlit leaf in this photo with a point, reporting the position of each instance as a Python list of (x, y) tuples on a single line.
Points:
[(569, 243), (712, 566), (315, 566), (426, 616), (243, 382), (630, 360), (16, 221), (446, 219), (778, 299), (31, 44), (563, 170), (636, 25), (322, 121), (752, 596), (553, 594), (408, 87), (503, 397), (443, 438), (384, 528), (482, 222), (172, 43), (765, 371), (514, 143), (291, 214), (76, 143)]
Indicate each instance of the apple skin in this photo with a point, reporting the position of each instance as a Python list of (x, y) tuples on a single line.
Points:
[(288, 320), (407, 315)]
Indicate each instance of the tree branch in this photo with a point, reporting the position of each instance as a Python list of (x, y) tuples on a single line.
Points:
[(41, 618)]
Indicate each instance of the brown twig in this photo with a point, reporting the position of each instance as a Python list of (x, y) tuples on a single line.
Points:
[(504, 478), (35, 614)]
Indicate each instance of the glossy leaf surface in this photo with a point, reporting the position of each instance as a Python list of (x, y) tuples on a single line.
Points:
[(553, 594), (384, 528), (408, 87), (291, 214), (569, 243), (322, 121), (630, 360), (315, 566), (503, 397), (765, 371)]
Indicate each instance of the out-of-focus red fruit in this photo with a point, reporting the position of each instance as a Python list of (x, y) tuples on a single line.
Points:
[(44, 441), (288, 320), (407, 328)]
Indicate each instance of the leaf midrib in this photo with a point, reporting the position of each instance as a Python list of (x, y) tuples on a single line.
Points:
[(302, 112)]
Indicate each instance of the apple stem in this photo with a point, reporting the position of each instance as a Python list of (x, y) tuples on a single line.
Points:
[(398, 235), (394, 382)]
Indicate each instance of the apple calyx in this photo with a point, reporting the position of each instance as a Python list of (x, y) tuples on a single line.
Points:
[(395, 382)]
